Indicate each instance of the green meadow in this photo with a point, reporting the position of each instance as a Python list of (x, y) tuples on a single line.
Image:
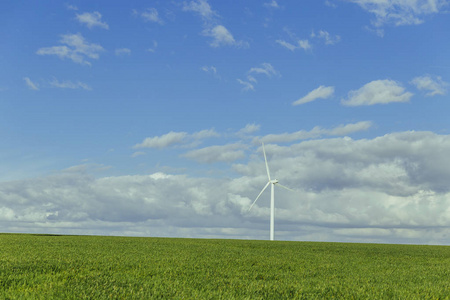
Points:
[(96, 267)]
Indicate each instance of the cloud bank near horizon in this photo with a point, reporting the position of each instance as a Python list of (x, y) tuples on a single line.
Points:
[(385, 189)]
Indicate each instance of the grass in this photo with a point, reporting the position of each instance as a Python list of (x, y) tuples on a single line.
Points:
[(94, 267)]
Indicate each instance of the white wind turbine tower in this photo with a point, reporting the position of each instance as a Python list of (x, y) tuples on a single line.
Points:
[(272, 183)]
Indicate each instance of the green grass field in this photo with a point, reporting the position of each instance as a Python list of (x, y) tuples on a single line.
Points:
[(94, 267)]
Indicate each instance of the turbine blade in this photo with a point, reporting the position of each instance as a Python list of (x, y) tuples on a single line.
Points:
[(265, 159), (262, 191), (284, 187)]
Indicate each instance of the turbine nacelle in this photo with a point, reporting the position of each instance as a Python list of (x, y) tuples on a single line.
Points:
[(274, 181)]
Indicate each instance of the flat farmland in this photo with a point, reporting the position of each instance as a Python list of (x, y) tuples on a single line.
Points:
[(98, 267)]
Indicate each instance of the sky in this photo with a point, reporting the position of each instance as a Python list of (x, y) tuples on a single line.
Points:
[(147, 118)]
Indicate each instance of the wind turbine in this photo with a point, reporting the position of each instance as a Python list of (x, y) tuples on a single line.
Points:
[(272, 183)]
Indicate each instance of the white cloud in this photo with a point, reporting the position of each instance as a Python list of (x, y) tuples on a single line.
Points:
[(435, 86), (326, 37), (173, 138), (204, 134), (201, 7), (163, 141), (343, 130), (122, 51), (248, 129), (314, 133), (247, 85), (31, 85), (330, 4), (221, 36), (153, 48), (272, 4), (377, 92), (389, 189), (212, 154), (286, 45), (210, 70), (111, 205), (266, 69), (301, 44), (137, 153), (400, 12), (378, 31), (67, 84), (252, 79), (322, 92), (151, 15), (76, 49), (71, 7), (92, 20), (304, 44)]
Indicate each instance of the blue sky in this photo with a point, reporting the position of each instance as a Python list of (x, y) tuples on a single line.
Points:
[(146, 118)]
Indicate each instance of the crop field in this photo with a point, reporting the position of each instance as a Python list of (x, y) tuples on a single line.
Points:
[(94, 267)]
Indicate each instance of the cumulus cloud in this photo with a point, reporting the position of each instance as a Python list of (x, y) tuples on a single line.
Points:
[(305, 44), (137, 153), (173, 138), (435, 85), (210, 70), (74, 48), (247, 85), (153, 48), (392, 188), (67, 84), (272, 4), (377, 92), (163, 141), (212, 154), (249, 129), (122, 51), (92, 20), (71, 7), (265, 69), (221, 36), (401, 12), (131, 199), (322, 92), (396, 164), (30, 84), (301, 44), (150, 15), (347, 129), (252, 79), (200, 7), (326, 37), (316, 132), (286, 45), (330, 4), (204, 134)]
